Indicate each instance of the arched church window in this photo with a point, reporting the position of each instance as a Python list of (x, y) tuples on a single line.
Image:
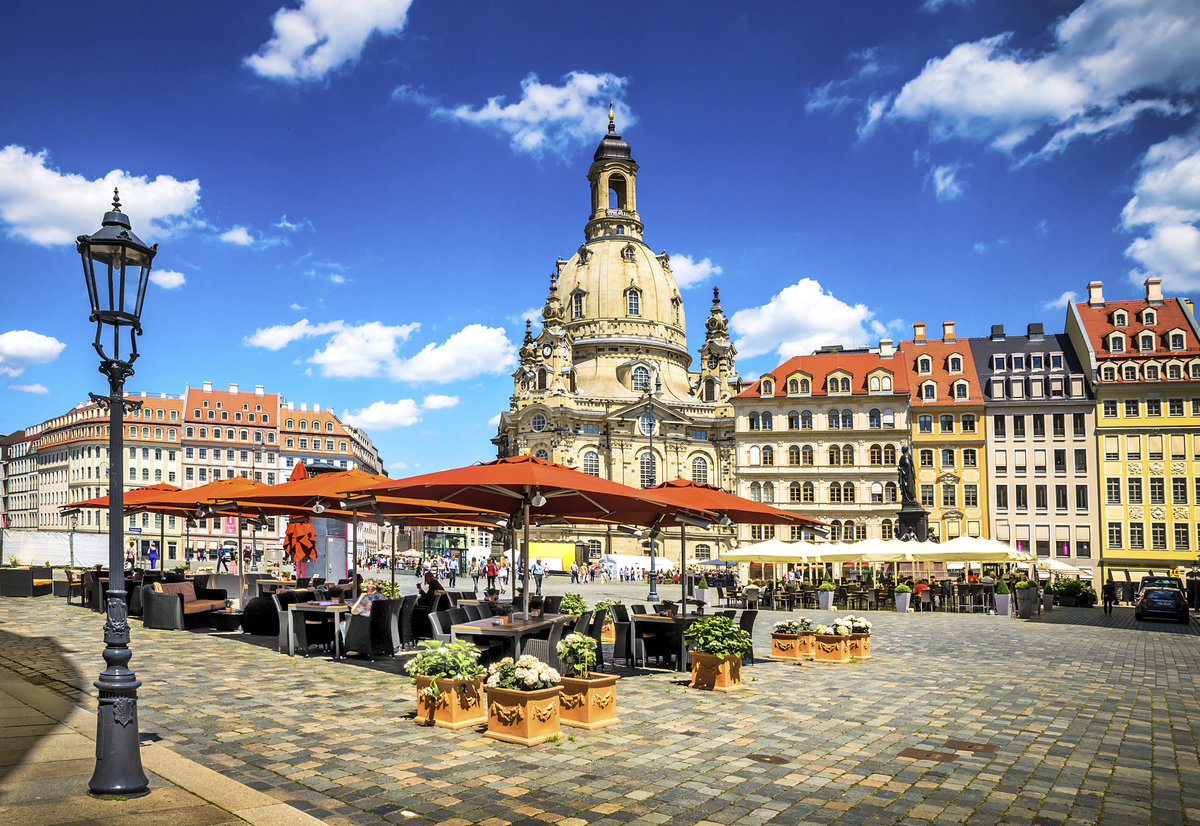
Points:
[(538, 422), (710, 391), (577, 305), (647, 470), (620, 229), (542, 454), (641, 379), (633, 301), (542, 380), (591, 463), (700, 470), (571, 381)]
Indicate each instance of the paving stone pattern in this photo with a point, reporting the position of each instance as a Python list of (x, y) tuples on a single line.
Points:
[(1094, 720)]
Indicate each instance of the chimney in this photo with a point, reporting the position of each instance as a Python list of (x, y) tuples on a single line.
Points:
[(233, 389), (316, 408), (1154, 290), (1188, 302), (208, 387), (162, 395), (304, 406), (947, 331), (886, 350), (258, 389), (1095, 294), (1036, 332), (79, 405), (291, 405), (997, 332), (919, 332), (143, 394)]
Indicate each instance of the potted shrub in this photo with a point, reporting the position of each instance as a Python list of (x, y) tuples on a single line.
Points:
[(1068, 591), (702, 590), (718, 645), (573, 604), (793, 640), (668, 607), (1047, 597), (860, 635), (1026, 596), (1003, 597), (449, 681), (492, 594), (587, 700), (825, 592), (522, 701), (832, 643), (903, 595), (503, 611)]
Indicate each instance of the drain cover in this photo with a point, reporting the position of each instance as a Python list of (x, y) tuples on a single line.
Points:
[(922, 754), (768, 758), (963, 745)]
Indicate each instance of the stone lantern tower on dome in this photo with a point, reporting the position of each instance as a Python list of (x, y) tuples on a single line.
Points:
[(613, 332)]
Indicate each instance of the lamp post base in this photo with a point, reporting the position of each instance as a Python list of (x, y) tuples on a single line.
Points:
[(118, 747)]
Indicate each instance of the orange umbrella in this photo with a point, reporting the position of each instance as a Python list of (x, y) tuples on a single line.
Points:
[(130, 498), (300, 542)]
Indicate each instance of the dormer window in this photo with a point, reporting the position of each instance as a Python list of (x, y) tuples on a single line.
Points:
[(1120, 319), (887, 382), (1130, 372), (929, 391), (627, 253), (1110, 374), (1035, 362), (1147, 343), (1116, 343), (924, 366), (577, 305), (1174, 372), (1177, 341), (768, 388), (960, 390), (793, 386), (804, 385), (1018, 362), (874, 383), (998, 362), (1151, 372), (641, 379), (1148, 318), (633, 301), (955, 364)]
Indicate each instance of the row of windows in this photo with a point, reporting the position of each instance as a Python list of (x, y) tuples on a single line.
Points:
[(158, 475), (1021, 461), (1026, 361), (806, 492), (1041, 497), (1037, 388), (958, 390), (316, 444), (1144, 342), (833, 384), (839, 531), (646, 467), (242, 435), (970, 497), (954, 364), (155, 413), (926, 457), (192, 474), (158, 433), (805, 456), (1058, 425), (304, 425), (945, 423), (1158, 536), (834, 419), (1175, 443), (1154, 408), (243, 455), (1150, 372), (1154, 492), (237, 417)]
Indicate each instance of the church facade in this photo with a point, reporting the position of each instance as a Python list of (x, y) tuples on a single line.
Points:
[(608, 386)]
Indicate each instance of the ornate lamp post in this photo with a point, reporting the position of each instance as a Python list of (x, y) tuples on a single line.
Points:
[(74, 518), (648, 425), (116, 300)]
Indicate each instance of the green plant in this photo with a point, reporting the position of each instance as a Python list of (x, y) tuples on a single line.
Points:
[(793, 626), (1024, 585), (702, 585), (444, 661), (390, 591), (573, 604), (1068, 587), (718, 636), (605, 605), (903, 589), (526, 674), (1001, 587), (827, 586), (828, 578), (503, 609), (578, 655)]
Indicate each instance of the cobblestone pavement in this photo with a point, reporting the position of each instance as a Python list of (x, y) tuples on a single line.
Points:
[(1093, 719)]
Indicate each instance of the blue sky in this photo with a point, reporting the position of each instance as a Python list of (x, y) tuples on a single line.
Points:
[(356, 201)]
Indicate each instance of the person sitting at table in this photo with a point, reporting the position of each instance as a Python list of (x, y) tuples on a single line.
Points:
[(431, 591), (988, 579), (920, 588), (372, 592)]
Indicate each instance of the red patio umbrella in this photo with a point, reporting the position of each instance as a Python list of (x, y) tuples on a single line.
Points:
[(300, 541), (130, 500), (529, 487)]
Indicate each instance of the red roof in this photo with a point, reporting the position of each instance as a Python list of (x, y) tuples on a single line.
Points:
[(1098, 323), (233, 403), (819, 365), (939, 353)]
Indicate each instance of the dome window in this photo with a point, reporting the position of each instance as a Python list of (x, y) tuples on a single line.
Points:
[(620, 229), (641, 379), (538, 422), (577, 305), (633, 297), (627, 254)]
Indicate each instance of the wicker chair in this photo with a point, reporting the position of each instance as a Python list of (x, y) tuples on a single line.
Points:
[(746, 623), (627, 646), (485, 610), (439, 626), (472, 612), (547, 650), (459, 615), (377, 634), (407, 636), (552, 605), (165, 611), (308, 631), (596, 632)]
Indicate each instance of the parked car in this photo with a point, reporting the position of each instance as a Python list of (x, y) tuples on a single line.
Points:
[(1162, 602), (1161, 582)]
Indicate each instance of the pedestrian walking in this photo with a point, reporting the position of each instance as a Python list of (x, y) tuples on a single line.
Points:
[(223, 559), (1109, 592), (492, 572), (537, 571), (153, 555), (503, 577), (474, 571), (453, 570)]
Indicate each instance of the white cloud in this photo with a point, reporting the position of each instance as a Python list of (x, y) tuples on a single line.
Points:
[(321, 35), (876, 109), (296, 306), (384, 415), (45, 206), (238, 235), (1062, 302), (167, 279), (799, 320), (288, 226), (689, 273), (281, 335), (337, 278), (547, 117), (980, 247), (398, 466), (934, 6), (1108, 57), (1043, 227), (1167, 200), (829, 96), (473, 350), (494, 421), (435, 402), (21, 348), (36, 389), (533, 314), (366, 350), (946, 184)]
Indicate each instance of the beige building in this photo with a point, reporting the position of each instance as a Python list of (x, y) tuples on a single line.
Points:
[(821, 435), (607, 386)]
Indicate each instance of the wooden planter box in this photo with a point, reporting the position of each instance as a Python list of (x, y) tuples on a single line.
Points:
[(588, 703), (523, 717), (793, 647), (609, 632), (460, 704), (832, 648), (1067, 602), (713, 673), (860, 646)]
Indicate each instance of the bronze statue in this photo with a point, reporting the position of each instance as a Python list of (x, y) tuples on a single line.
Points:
[(908, 477)]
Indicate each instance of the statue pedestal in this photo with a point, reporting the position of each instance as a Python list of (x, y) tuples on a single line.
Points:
[(912, 520)]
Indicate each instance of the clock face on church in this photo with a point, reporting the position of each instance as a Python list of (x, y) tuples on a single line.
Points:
[(547, 350)]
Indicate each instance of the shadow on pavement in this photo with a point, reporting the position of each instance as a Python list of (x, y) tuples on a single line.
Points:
[(1121, 618)]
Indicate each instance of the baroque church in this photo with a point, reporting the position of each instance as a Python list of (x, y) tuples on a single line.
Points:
[(607, 386)]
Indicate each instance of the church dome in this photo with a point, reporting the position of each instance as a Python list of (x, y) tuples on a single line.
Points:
[(611, 146)]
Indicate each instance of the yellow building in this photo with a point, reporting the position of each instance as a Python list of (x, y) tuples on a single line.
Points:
[(948, 441), (1143, 359)]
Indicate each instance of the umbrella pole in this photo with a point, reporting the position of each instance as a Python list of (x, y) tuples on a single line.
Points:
[(525, 559), (354, 551), (393, 561), (241, 562)]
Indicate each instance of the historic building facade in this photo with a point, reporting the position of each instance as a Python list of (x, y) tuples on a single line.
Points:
[(607, 386), (1039, 422), (821, 435), (1142, 358)]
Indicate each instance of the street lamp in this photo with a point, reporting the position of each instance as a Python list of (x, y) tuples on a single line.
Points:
[(74, 524), (648, 426), (116, 301)]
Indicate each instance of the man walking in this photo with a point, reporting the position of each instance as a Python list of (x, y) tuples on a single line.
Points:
[(537, 571), (1109, 593), (223, 559), (453, 572)]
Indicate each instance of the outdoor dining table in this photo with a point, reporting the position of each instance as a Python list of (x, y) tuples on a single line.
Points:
[(515, 631), (680, 622), (316, 608), (270, 586)]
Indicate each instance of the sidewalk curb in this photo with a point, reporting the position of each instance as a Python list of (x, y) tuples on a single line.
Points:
[(240, 800)]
